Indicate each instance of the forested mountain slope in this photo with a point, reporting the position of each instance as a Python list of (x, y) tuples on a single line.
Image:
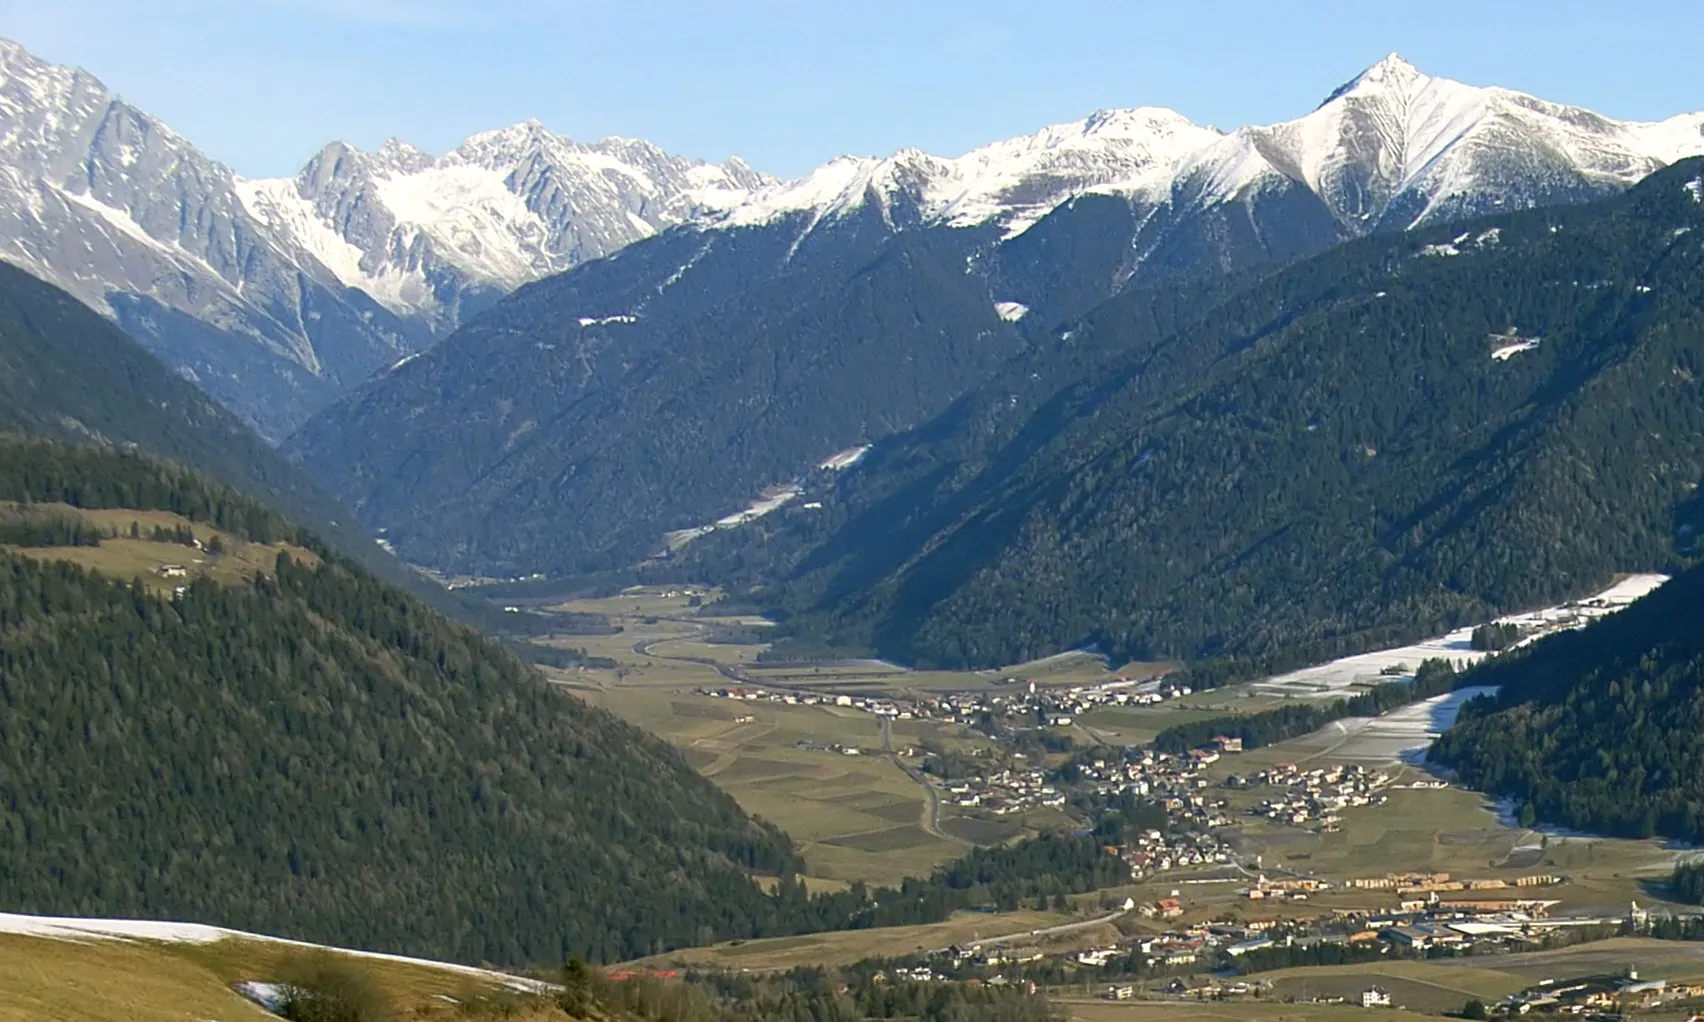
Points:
[(1600, 729), (573, 424), (67, 373), (665, 387), (316, 754), (1398, 436)]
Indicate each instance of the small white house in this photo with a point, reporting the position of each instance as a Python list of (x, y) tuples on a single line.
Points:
[(1375, 997)]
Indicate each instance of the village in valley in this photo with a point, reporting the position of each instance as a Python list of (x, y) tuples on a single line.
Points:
[(1260, 867)]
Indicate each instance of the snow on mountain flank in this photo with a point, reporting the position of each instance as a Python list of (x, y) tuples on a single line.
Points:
[(1508, 351), (1337, 678), (1393, 142), (1013, 182), (1695, 188), (845, 459), (1011, 312)]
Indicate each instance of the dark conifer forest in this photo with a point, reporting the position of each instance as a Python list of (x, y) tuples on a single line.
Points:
[(1600, 729)]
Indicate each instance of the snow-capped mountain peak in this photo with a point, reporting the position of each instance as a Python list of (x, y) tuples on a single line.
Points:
[(1393, 71), (1394, 147), (421, 233), (1013, 182), (102, 199)]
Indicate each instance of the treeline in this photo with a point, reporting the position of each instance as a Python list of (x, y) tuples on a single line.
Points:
[(1040, 871), (1687, 883), (804, 994), (40, 471), (1495, 637), (1600, 729), (1434, 678), (39, 527), (1281, 957)]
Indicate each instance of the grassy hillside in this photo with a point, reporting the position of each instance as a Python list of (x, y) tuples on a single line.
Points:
[(116, 980)]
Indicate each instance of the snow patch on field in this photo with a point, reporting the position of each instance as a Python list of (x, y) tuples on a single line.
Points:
[(845, 459), (1402, 735), (268, 995), (1509, 351), (1011, 312), (1340, 677), (771, 499), (81, 930)]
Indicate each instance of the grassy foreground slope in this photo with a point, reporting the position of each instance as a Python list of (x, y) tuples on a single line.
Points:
[(311, 752)]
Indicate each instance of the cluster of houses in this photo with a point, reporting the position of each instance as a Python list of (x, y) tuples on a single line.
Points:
[(1004, 791), (1176, 783), (899, 709), (1618, 993), (1216, 945), (1056, 707), (1319, 795), (1155, 852)]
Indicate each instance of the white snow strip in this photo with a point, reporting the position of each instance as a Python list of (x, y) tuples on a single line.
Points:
[(1402, 735), (1337, 678), (1011, 312), (845, 459), (76, 929), (1695, 188), (268, 995), (1508, 351), (606, 320), (770, 501), (1445, 249)]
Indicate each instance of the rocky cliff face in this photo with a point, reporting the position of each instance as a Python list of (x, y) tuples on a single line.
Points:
[(277, 296)]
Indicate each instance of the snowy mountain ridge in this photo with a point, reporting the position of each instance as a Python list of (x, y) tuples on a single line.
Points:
[(505, 207), (1392, 139), (1015, 181), (278, 295)]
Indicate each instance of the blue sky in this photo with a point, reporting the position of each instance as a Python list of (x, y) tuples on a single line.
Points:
[(787, 84)]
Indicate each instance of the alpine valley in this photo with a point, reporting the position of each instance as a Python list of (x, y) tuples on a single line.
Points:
[(1132, 562)]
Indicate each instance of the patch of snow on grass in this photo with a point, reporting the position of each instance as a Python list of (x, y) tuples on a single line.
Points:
[(268, 995), (606, 320), (1404, 734), (78, 929), (1341, 677), (771, 500), (1509, 351), (1011, 312), (845, 459)]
